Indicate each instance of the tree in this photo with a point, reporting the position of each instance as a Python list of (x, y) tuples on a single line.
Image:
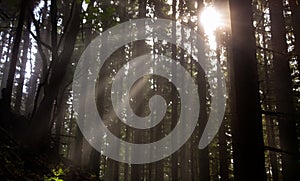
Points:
[(295, 10), (33, 84), (283, 92), (37, 135), (6, 63), (246, 124), (19, 92), (15, 52)]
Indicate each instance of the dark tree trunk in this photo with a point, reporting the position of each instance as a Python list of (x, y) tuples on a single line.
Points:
[(38, 133), (7, 62), (204, 153), (15, 54), (283, 93), (273, 157), (53, 15), (204, 172), (223, 154), (81, 114), (138, 49), (19, 90), (78, 147), (94, 162), (248, 146), (32, 85), (295, 8), (59, 120), (94, 158), (3, 42), (174, 117)]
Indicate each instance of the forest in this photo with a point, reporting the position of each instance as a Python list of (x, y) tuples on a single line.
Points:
[(200, 90)]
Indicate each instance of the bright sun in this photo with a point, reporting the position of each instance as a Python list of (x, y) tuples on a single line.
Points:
[(211, 20)]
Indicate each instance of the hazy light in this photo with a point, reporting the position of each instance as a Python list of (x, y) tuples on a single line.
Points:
[(211, 20)]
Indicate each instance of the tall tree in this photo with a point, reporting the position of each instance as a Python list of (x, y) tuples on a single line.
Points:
[(15, 52), (38, 132), (32, 84), (295, 9), (204, 171), (3, 42), (174, 97), (7, 60), (283, 92), (139, 48), (81, 114), (59, 119), (19, 90), (246, 124)]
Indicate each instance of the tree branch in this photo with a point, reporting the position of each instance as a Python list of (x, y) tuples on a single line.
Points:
[(281, 151), (67, 24), (37, 39)]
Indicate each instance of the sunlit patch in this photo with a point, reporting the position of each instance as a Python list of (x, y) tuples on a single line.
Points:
[(211, 20)]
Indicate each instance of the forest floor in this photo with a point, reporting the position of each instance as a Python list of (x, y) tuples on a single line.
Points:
[(19, 163)]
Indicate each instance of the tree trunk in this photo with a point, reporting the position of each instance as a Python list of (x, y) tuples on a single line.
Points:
[(38, 133), (283, 93), (15, 54), (32, 85), (3, 42), (246, 124), (204, 165), (224, 166), (7, 62), (53, 15), (273, 157), (174, 117), (204, 153), (94, 162), (223, 153), (138, 49), (19, 91), (59, 120), (94, 159), (295, 8)]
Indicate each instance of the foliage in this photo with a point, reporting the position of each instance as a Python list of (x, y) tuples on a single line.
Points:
[(57, 173)]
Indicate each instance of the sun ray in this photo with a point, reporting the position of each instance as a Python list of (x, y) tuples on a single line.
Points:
[(210, 19)]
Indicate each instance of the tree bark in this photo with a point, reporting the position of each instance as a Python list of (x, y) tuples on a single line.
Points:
[(53, 15), (174, 117), (138, 49), (7, 62), (19, 91), (283, 93), (38, 132), (273, 157), (59, 120), (32, 85), (3, 42), (15, 54), (204, 172), (223, 153), (295, 8), (204, 153), (247, 123)]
